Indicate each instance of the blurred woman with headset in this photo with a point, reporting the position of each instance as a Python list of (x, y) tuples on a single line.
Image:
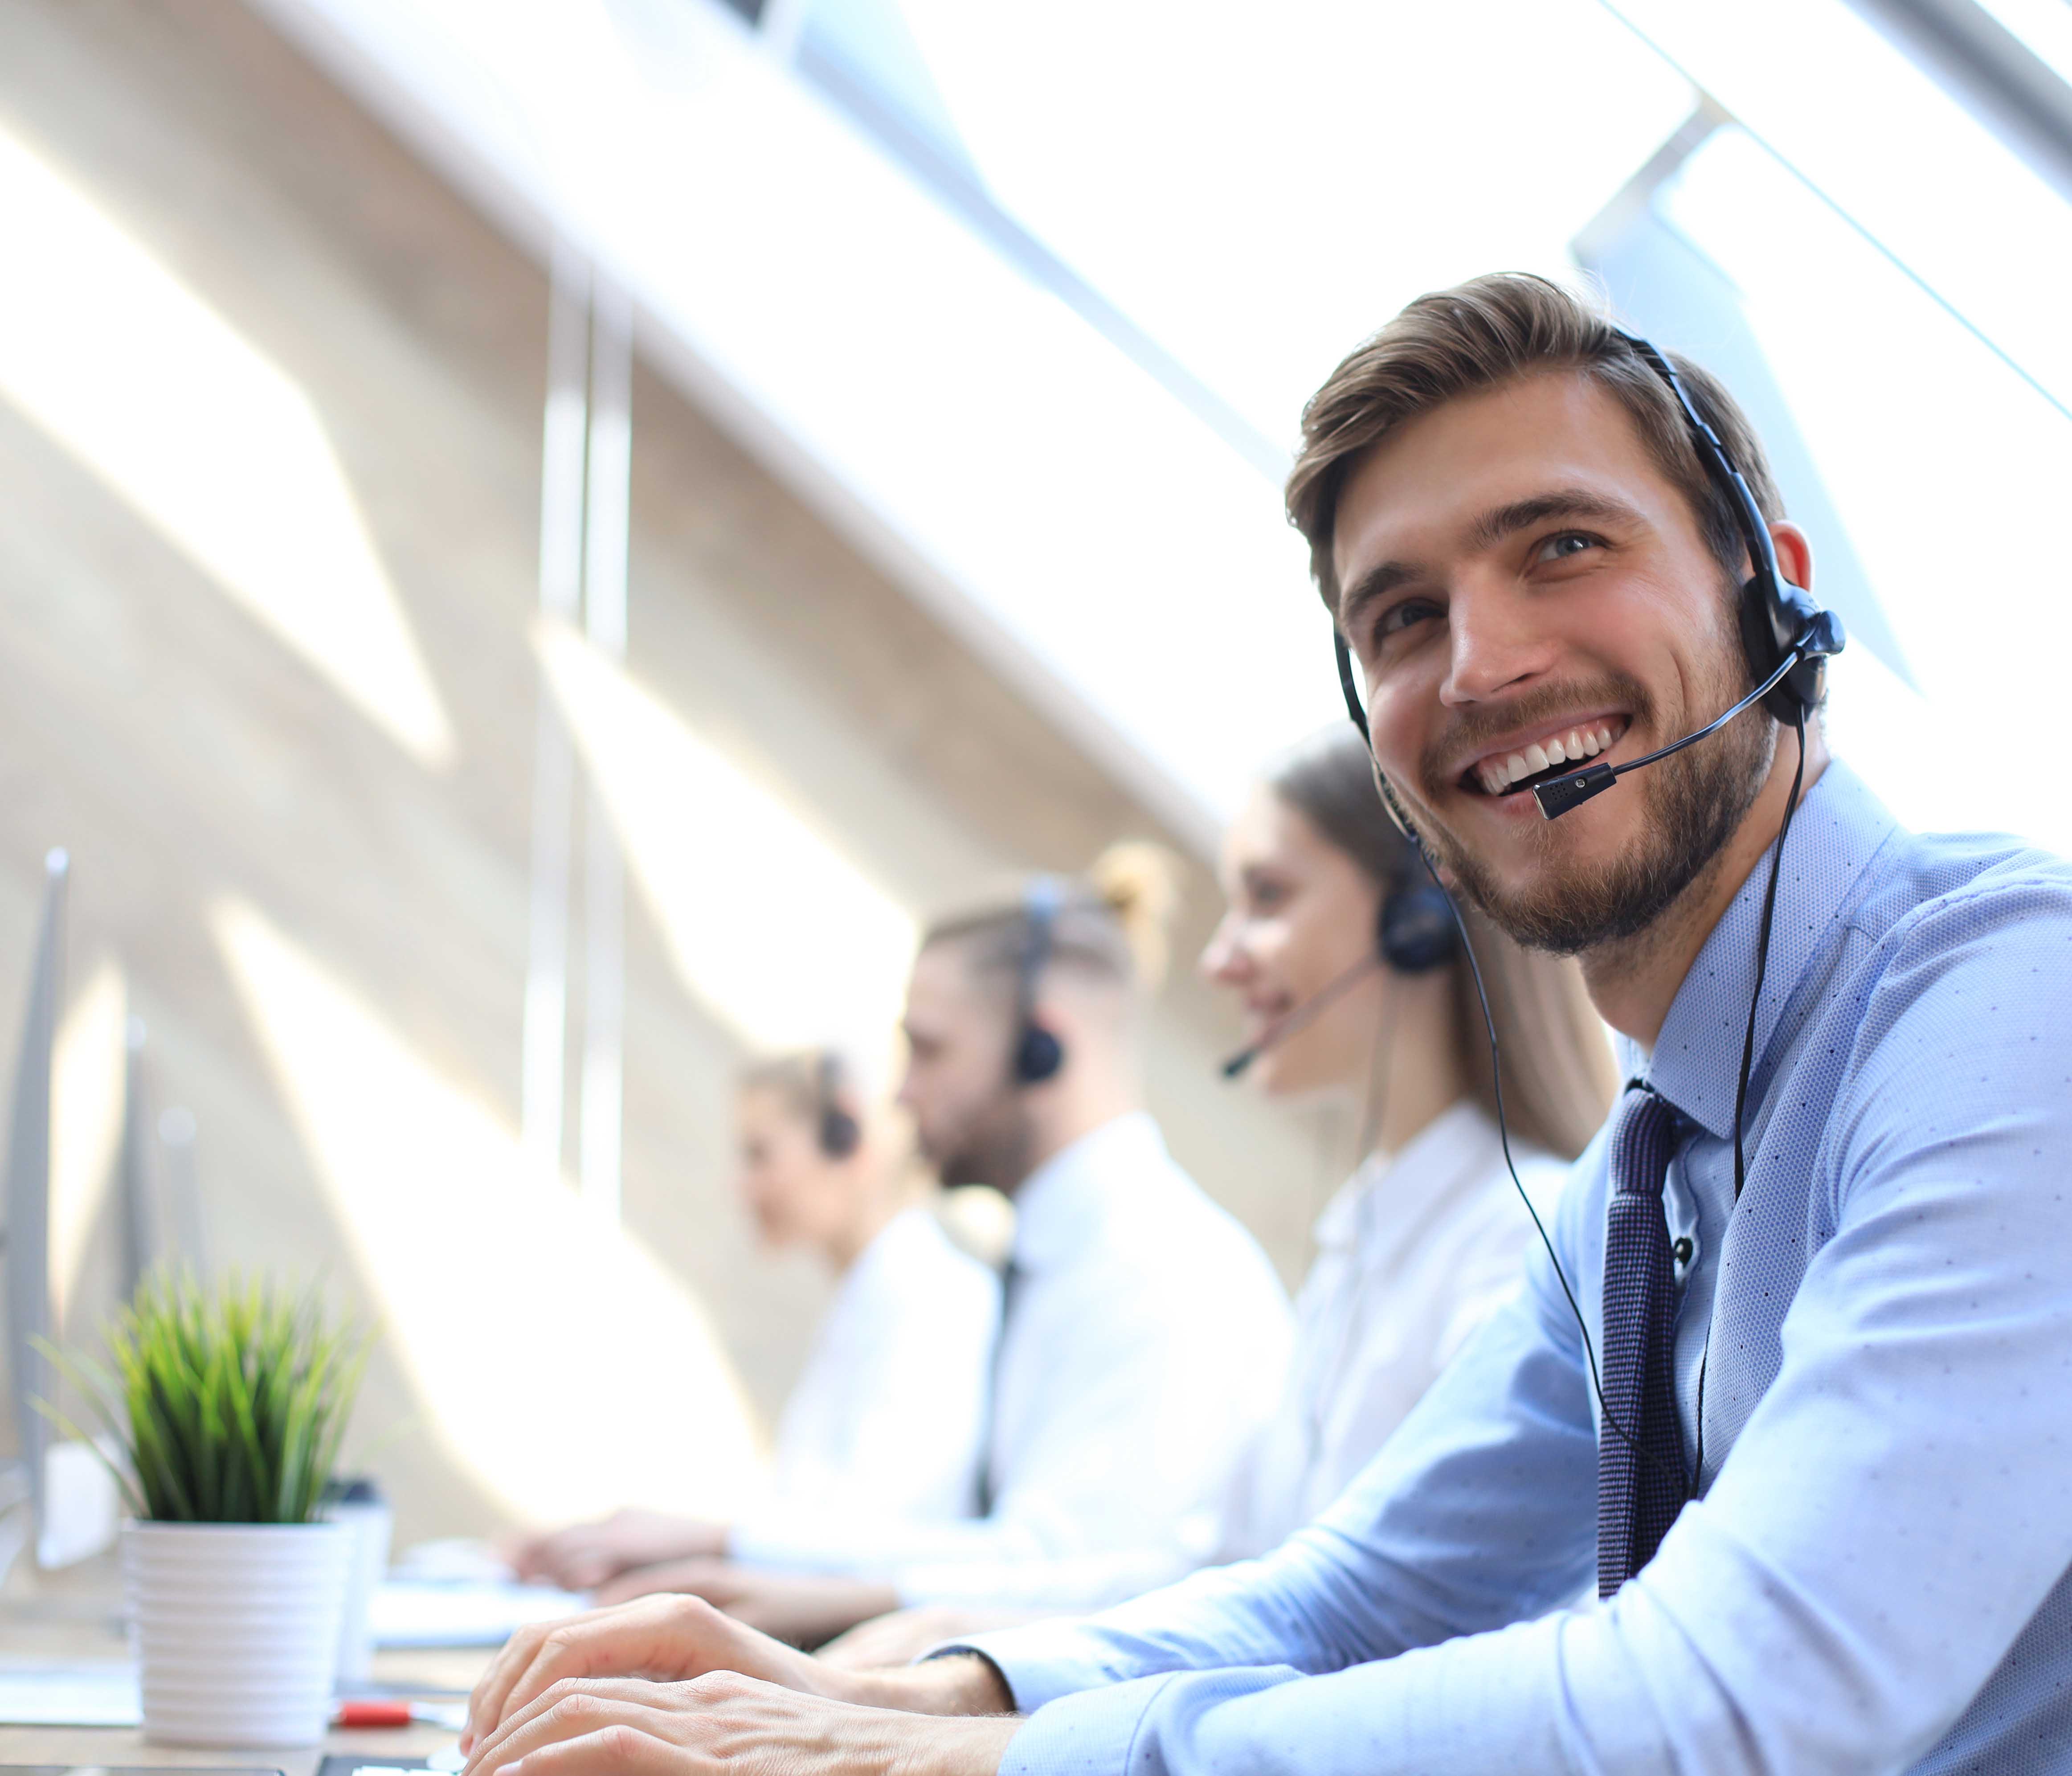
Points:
[(1347, 968), (889, 1412)]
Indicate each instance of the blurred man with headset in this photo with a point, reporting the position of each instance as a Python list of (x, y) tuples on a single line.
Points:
[(1143, 1335), (1790, 1376)]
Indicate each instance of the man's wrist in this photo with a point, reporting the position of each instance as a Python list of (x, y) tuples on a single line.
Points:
[(958, 1683), (957, 1748)]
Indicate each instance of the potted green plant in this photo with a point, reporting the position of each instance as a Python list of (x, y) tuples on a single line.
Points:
[(228, 1402)]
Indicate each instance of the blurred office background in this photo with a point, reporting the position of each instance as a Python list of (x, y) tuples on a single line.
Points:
[(538, 540)]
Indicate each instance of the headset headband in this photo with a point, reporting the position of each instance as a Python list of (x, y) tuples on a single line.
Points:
[(1036, 1054), (1041, 902), (1754, 527)]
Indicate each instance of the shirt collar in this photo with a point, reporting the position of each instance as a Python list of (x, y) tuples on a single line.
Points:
[(1696, 1064), (1062, 1204), (1458, 1147)]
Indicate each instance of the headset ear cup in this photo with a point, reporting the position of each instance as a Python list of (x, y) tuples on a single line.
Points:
[(1038, 1055), (1418, 930), (1771, 624), (840, 1133)]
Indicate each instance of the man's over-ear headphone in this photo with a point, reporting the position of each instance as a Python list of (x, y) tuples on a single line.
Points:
[(839, 1133), (1779, 622), (1037, 1055), (1787, 637)]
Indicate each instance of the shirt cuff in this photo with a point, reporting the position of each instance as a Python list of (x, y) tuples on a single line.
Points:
[(1089, 1734), (1040, 1662), (1134, 1729)]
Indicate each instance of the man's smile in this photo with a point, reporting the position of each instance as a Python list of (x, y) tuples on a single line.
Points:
[(1548, 748)]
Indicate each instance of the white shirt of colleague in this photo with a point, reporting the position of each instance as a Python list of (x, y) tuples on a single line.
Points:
[(1146, 1342), (1413, 1253), (889, 1412)]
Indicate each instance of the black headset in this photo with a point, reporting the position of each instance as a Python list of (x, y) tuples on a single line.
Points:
[(1038, 1054), (1414, 932), (839, 1133)]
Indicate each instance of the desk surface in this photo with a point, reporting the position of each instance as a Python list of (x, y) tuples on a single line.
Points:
[(77, 1614)]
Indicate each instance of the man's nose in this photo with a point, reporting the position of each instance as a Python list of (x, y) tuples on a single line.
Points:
[(1497, 642)]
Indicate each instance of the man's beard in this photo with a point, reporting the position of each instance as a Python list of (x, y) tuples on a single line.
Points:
[(1695, 800), (995, 1147)]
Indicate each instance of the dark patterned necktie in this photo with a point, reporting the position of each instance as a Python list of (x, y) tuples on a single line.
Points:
[(1641, 1486), (1012, 1275)]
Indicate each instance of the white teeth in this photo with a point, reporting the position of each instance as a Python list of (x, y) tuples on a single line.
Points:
[(1498, 774), (1562, 749)]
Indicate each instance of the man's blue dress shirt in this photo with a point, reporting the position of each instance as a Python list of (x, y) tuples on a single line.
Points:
[(1876, 1578)]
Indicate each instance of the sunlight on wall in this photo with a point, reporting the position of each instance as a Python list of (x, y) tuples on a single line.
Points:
[(770, 926), (555, 1358), (207, 439), (86, 1124)]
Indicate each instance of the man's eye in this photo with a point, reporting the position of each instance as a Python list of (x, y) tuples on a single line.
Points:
[(1400, 617), (1570, 543)]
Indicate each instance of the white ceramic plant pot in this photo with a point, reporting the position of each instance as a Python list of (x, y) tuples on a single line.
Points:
[(236, 1628)]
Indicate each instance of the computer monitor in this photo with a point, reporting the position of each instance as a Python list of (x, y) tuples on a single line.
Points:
[(27, 1206), (143, 1234), (182, 1222)]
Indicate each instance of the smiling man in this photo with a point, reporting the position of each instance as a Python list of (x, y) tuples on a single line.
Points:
[(1794, 1381)]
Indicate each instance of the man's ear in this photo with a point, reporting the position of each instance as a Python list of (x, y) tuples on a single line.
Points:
[(1795, 553)]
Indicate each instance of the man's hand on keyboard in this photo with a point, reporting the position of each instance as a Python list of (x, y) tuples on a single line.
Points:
[(622, 1728), (804, 1608), (629, 1654), (661, 1639)]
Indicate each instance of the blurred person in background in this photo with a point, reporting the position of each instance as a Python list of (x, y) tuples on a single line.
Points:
[(1347, 964), (889, 1411), (1144, 1333), (1353, 990)]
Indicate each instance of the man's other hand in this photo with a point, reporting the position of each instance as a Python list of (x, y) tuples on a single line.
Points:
[(625, 1728), (585, 1555), (802, 1608)]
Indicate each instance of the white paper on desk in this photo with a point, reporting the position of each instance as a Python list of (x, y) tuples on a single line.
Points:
[(403, 1613), (69, 1693)]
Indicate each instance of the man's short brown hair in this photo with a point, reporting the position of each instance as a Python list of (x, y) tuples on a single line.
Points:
[(1480, 335)]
